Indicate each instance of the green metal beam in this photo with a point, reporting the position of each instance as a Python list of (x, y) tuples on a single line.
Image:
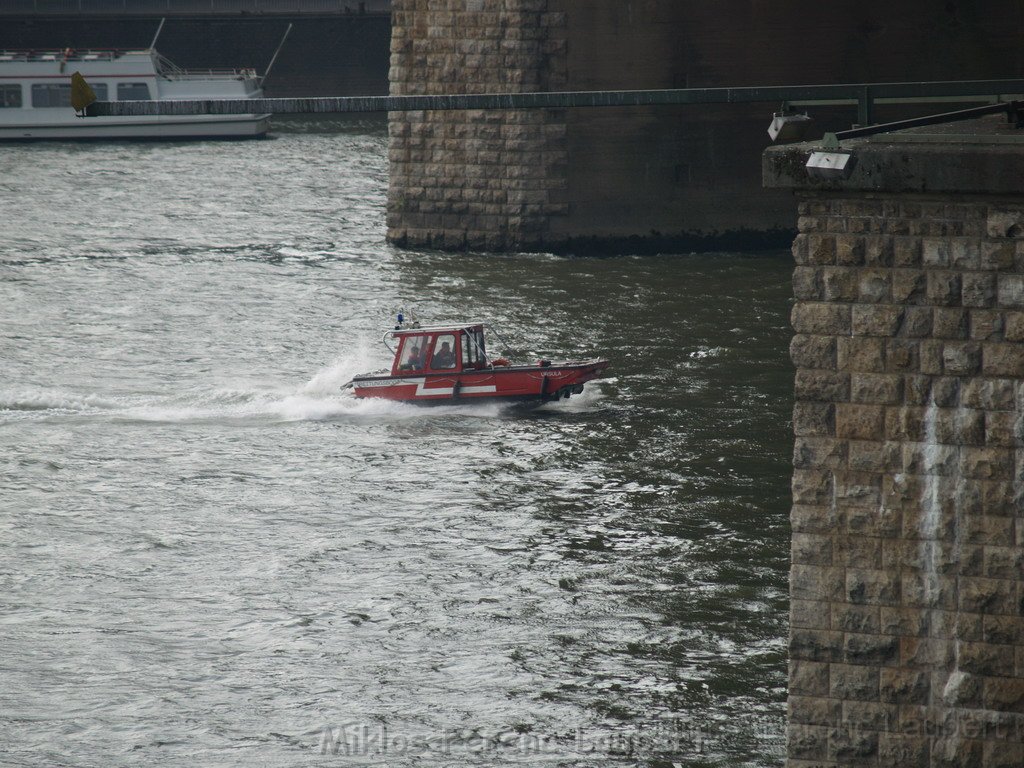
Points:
[(861, 94)]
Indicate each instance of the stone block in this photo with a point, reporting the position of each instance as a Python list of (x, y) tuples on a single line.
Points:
[(813, 352), (916, 323), (874, 456), (808, 678), (1001, 498), (877, 388), (878, 251), (956, 752), (1004, 694), (936, 253), (961, 359), (1004, 223), (821, 249), (810, 549), (991, 596), (1003, 359), (945, 288), (897, 685), (917, 389), (1002, 754), (1004, 429), (876, 320), (978, 289), (856, 551), (815, 645), (1011, 291), (807, 283), (849, 250), (906, 251), (874, 520), (809, 614), (861, 354), (950, 323), (996, 256), (931, 357), (853, 746), (821, 318), (987, 325), (987, 463), (862, 619), (904, 424), (813, 419), (814, 518), (807, 742), (905, 751), (813, 710), (812, 486), (815, 582), (905, 621), (902, 355), (1014, 326), (860, 422), (869, 715), (875, 286), (909, 286), (839, 283), (1005, 630), (872, 587), (989, 394), (824, 386)]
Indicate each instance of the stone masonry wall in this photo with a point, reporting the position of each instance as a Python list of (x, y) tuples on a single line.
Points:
[(907, 635), (476, 179)]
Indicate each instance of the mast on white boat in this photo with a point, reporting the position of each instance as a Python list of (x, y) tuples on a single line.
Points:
[(266, 72), (159, 29)]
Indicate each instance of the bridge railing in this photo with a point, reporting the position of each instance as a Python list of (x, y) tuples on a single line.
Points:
[(173, 7), (864, 95)]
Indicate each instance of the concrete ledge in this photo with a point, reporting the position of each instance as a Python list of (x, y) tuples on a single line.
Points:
[(976, 157)]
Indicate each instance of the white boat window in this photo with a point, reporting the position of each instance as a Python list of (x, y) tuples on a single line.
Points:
[(414, 353), (444, 352), (59, 95), (132, 92), (10, 96)]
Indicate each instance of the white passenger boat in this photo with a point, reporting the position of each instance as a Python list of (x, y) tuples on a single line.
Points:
[(35, 96)]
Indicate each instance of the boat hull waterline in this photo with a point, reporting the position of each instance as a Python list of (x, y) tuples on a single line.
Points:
[(512, 384)]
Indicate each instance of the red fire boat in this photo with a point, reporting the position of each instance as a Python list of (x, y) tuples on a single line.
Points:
[(448, 364)]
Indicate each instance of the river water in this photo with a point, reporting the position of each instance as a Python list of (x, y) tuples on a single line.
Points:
[(211, 555)]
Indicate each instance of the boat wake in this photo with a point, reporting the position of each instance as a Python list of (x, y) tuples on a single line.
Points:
[(319, 399)]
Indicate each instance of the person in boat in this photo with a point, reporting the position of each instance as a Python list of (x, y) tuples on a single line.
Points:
[(416, 358), (444, 357)]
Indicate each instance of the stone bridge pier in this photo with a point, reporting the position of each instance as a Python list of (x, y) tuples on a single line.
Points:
[(907, 618), (665, 178)]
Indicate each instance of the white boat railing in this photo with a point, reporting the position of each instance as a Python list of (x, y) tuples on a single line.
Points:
[(171, 71)]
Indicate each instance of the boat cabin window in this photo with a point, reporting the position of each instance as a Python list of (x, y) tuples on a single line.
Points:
[(59, 95), (473, 349), (444, 352), (132, 92), (10, 96), (414, 353)]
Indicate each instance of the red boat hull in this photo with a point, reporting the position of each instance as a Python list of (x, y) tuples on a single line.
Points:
[(537, 384)]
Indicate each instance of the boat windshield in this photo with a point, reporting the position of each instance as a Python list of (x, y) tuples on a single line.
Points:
[(413, 354), (444, 352)]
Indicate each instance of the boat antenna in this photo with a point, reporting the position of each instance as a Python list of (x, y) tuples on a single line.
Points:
[(266, 72), (158, 31)]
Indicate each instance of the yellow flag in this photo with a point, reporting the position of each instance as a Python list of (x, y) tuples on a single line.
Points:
[(81, 94)]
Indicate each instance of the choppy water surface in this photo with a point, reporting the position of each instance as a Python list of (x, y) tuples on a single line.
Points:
[(210, 555)]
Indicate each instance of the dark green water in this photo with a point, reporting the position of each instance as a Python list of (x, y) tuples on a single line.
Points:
[(209, 554)]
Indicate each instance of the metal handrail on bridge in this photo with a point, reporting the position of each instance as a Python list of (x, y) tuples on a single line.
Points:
[(864, 95)]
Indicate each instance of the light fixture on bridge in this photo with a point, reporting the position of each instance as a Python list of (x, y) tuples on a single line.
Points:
[(831, 165), (789, 128)]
